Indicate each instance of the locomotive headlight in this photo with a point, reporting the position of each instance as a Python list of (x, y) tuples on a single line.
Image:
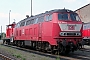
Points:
[(78, 34), (61, 34)]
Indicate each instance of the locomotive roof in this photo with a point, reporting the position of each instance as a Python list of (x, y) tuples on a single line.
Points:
[(58, 10), (48, 12)]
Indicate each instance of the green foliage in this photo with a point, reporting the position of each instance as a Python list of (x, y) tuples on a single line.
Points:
[(58, 58), (33, 55), (19, 56), (23, 58), (2, 35)]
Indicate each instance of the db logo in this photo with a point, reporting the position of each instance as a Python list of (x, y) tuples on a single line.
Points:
[(71, 27)]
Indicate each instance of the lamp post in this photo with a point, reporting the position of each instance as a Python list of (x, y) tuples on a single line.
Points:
[(9, 16)]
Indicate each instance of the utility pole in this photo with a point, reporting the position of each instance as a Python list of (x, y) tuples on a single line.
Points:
[(31, 8), (1, 32)]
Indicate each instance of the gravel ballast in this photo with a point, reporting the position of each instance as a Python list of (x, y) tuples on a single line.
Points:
[(22, 55)]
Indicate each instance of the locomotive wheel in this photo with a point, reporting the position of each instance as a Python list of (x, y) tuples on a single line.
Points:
[(4, 41), (53, 51), (61, 49), (67, 51), (8, 41), (22, 44)]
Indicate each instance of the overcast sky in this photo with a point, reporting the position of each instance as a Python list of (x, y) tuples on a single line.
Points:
[(21, 8)]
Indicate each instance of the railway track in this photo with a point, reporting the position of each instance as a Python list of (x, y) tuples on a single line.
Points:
[(3, 57), (71, 56)]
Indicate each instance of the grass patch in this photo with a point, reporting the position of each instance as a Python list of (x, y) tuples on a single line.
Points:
[(58, 58), (19, 56), (13, 52), (33, 55), (23, 58)]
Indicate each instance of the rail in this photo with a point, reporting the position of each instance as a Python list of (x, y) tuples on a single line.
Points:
[(5, 57)]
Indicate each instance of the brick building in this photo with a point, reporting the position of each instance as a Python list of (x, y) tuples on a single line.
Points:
[(84, 13)]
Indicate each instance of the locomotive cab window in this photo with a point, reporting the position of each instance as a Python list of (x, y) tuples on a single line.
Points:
[(63, 16), (74, 17)]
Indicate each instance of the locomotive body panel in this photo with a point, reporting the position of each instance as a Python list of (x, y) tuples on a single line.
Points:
[(27, 32)]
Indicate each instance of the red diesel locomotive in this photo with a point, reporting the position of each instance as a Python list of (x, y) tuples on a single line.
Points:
[(56, 30), (86, 33)]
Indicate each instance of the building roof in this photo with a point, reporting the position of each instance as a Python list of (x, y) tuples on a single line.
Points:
[(82, 7)]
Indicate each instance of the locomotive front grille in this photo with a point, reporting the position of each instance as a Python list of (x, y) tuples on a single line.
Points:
[(70, 34)]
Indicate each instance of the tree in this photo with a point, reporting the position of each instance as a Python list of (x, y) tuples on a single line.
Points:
[(2, 35)]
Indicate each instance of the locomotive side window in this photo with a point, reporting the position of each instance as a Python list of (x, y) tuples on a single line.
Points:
[(28, 22), (32, 21), (35, 20), (74, 17), (18, 25), (22, 23), (63, 16), (41, 19), (49, 17)]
